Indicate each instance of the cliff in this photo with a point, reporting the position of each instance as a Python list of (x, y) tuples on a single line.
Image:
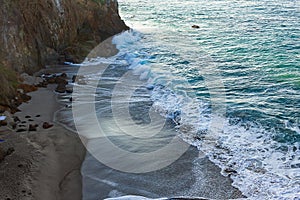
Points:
[(39, 32)]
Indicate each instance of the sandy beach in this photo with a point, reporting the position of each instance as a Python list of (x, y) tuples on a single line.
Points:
[(149, 100), (52, 163), (45, 163)]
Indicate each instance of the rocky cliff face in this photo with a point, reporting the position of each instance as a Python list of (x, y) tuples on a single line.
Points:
[(39, 32)]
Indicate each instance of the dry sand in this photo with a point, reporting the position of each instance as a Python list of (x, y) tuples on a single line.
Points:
[(45, 164)]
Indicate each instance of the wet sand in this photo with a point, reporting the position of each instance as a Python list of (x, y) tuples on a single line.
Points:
[(189, 176)]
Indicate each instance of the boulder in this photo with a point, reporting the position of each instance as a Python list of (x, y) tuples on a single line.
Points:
[(64, 75), (61, 88), (47, 125), (16, 119), (30, 80), (195, 26), (32, 127), (21, 130), (3, 123), (59, 80), (25, 88)]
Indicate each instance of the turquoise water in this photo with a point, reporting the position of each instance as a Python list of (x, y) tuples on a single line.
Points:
[(242, 66), (231, 88)]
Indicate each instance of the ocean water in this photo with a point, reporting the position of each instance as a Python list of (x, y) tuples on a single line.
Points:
[(241, 68), (231, 87)]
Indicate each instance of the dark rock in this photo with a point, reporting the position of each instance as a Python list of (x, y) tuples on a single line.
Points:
[(27, 117), (20, 130), (294, 166), (16, 119), (150, 87), (32, 127), (61, 88), (64, 75), (46, 125), (61, 80), (27, 88), (23, 122), (195, 26), (3, 123)]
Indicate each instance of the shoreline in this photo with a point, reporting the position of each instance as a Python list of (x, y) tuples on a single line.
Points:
[(49, 175)]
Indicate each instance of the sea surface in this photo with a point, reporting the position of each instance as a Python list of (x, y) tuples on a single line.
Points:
[(231, 86)]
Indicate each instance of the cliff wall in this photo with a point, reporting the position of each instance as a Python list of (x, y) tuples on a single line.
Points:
[(39, 32)]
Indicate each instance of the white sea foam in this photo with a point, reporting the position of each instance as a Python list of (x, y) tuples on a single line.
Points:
[(264, 169), (259, 166)]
